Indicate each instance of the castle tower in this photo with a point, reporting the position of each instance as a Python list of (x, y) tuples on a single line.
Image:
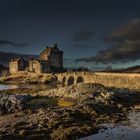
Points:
[(54, 56)]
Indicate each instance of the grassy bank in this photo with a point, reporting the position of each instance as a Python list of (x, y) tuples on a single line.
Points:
[(28, 77)]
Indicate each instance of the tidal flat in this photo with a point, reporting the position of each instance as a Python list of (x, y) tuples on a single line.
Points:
[(48, 114)]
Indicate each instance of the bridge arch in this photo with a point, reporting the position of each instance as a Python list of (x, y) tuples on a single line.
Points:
[(79, 79), (64, 79), (70, 80)]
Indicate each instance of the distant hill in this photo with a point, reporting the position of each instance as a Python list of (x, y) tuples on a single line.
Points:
[(3, 68), (6, 56), (134, 69)]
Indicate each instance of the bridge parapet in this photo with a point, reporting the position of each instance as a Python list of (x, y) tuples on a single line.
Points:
[(69, 78), (119, 80)]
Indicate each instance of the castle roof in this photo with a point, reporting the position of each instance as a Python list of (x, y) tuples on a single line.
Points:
[(32, 59), (16, 59), (49, 50), (36, 60)]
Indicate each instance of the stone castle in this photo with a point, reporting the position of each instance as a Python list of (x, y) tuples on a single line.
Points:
[(50, 60)]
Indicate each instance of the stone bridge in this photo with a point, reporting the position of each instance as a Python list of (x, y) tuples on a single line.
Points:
[(119, 80), (71, 78)]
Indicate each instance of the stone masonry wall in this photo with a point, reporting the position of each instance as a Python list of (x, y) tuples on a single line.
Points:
[(119, 80)]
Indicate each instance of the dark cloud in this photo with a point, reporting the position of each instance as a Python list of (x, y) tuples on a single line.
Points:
[(6, 42), (84, 46), (131, 31), (124, 52), (125, 45), (80, 46), (83, 36)]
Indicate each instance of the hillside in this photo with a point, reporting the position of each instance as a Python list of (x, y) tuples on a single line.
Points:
[(3, 68), (134, 69)]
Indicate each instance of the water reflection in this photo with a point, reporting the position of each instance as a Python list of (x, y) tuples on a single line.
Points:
[(131, 131), (29, 86)]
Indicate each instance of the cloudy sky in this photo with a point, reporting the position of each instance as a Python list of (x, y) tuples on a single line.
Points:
[(94, 32)]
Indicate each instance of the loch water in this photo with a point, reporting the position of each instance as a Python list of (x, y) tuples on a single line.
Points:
[(127, 130)]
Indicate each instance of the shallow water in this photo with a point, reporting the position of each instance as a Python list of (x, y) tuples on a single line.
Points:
[(29, 86), (129, 130)]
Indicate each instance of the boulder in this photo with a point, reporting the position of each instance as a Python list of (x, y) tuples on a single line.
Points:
[(11, 103)]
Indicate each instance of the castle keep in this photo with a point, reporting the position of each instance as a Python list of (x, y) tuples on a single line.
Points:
[(50, 60)]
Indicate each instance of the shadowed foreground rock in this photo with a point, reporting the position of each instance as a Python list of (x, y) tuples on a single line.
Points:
[(43, 117), (11, 103)]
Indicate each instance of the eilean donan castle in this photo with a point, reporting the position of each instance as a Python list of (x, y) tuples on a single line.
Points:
[(50, 60)]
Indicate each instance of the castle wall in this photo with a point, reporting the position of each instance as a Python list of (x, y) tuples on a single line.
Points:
[(38, 66), (31, 68), (45, 68), (13, 67), (17, 65), (34, 66), (51, 60), (21, 65), (56, 60), (54, 57)]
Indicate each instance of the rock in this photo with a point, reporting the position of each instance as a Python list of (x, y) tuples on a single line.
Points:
[(119, 105), (22, 132), (11, 103)]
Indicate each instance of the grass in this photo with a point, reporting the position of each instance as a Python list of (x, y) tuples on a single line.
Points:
[(50, 102), (19, 91), (65, 103), (43, 101), (27, 77)]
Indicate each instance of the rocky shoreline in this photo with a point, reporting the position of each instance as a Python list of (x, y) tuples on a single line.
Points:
[(65, 113), (10, 103)]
